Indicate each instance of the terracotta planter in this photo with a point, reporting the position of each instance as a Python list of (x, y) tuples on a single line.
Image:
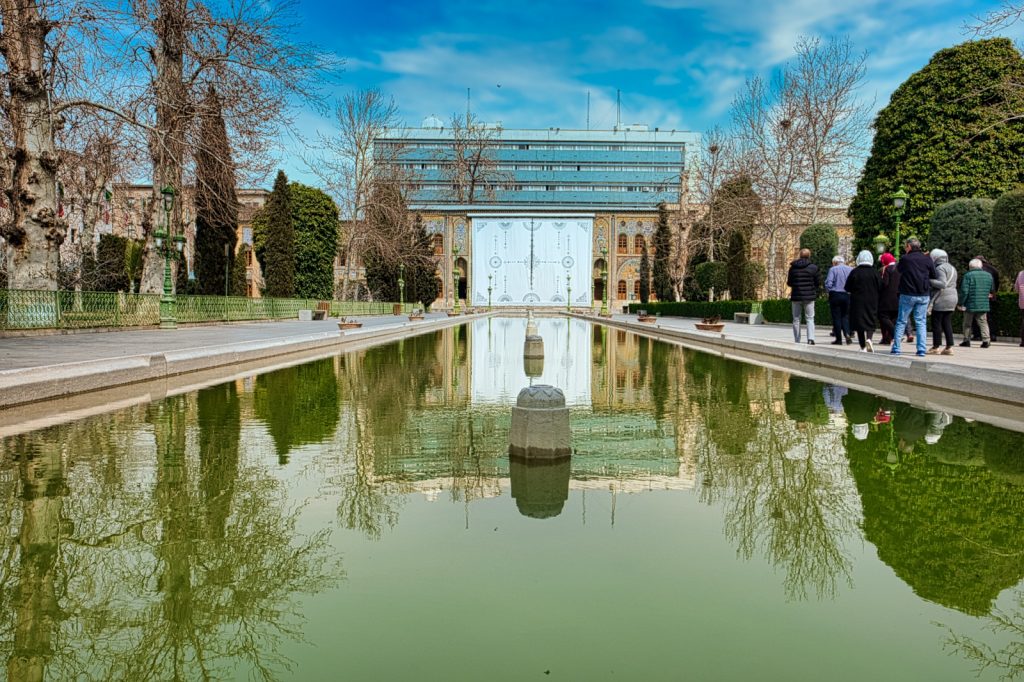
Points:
[(349, 325), (717, 327), (414, 318), (452, 313), (650, 319)]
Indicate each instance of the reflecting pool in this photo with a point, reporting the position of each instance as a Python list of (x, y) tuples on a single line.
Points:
[(358, 517)]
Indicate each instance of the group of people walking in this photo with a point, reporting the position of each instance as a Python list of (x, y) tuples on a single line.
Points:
[(899, 298)]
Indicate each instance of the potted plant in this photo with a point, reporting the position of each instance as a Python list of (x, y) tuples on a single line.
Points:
[(711, 324), (349, 323), (644, 316), (416, 314)]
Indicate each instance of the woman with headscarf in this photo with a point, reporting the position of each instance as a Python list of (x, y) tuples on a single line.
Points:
[(864, 286), (943, 303), (888, 297)]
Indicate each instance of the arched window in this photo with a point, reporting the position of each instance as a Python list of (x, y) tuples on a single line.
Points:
[(636, 290), (622, 290), (623, 243), (638, 243), (438, 244)]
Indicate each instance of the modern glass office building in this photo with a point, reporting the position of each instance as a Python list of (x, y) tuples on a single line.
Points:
[(633, 167)]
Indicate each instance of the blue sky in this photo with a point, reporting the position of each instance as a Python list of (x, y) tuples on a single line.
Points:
[(678, 63)]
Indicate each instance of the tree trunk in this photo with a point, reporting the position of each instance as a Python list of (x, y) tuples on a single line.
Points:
[(34, 232), (167, 144)]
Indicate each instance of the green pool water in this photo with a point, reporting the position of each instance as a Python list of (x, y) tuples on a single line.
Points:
[(357, 517)]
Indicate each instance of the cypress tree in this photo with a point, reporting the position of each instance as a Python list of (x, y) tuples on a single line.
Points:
[(663, 288), (645, 277), (216, 201), (279, 241), (315, 222), (239, 284), (421, 282)]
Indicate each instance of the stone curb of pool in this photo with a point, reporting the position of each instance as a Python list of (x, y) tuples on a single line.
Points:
[(978, 382), (34, 384)]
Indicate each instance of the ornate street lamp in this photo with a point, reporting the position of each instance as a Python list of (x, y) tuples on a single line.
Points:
[(456, 278), (171, 245), (490, 281), (604, 278), (401, 285), (881, 243), (899, 202)]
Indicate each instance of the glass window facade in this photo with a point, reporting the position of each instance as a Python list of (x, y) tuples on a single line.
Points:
[(624, 169)]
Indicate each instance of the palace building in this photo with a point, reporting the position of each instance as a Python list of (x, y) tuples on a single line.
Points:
[(560, 207), (566, 205)]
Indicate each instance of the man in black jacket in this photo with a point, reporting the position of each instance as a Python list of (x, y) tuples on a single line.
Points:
[(916, 269), (803, 281)]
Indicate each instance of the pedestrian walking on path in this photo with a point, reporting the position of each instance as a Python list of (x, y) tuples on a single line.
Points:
[(991, 317), (888, 297), (804, 280), (1018, 286), (943, 303), (975, 289), (863, 285), (916, 273), (839, 299)]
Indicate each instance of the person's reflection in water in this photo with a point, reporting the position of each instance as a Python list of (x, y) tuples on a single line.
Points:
[(804, 401), (833, 395), (937, 423), (540, 487), (860, 410)]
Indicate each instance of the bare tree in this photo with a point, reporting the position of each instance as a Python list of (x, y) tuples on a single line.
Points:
[(770, 151), (470, 166), (832, 119), (353, 161), (1008, 14), (149, 65)]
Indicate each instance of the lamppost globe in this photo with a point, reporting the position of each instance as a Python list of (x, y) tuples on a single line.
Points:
[(899, 202), (881, 243)]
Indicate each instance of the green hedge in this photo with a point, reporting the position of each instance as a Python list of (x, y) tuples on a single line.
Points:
[(723, 309), (780, 310)]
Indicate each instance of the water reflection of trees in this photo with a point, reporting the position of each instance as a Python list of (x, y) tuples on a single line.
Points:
[(189, 566), (1007, 658), (299, 404), (781, 480), (948, 525)]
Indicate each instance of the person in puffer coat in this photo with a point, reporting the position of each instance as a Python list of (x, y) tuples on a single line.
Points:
[(804, 280), (974, 291), (943, 303)]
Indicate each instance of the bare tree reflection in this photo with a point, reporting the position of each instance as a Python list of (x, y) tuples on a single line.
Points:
[(781, 480), (1007, 659)]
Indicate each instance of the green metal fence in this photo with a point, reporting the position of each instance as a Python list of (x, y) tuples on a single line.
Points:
[(27, 310)]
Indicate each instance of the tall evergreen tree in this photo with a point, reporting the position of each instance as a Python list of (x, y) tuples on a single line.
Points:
[(663, 288), (239, 284), (216, 201), (315, 222), (943, 136), (422, 284), (737, 257), (645, 277), (279, 241)]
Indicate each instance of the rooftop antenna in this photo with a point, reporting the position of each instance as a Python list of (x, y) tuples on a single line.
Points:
[(588, 109), (618, 109)]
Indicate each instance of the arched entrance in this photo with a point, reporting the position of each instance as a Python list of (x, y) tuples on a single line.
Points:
[(599, 267), (462, 267)]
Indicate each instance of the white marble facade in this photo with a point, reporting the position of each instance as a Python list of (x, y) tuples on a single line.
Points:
[(538, 261)]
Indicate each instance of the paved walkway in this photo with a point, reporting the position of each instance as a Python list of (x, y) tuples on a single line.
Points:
[(38, 351), (1002, 356)]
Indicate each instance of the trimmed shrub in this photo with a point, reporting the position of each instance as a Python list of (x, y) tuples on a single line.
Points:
[(963, 229), (1007, 233), (712, 275), (823, 242)]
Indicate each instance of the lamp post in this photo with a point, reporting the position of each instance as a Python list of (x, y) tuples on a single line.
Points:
[(490, 281), (604, 279), (455, 278), (899, 202), (401, 285), (171, 246), (568, 292), (881, 243), (227, 278)]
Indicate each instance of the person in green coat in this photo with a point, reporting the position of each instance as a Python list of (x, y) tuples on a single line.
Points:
[(974, 291)]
